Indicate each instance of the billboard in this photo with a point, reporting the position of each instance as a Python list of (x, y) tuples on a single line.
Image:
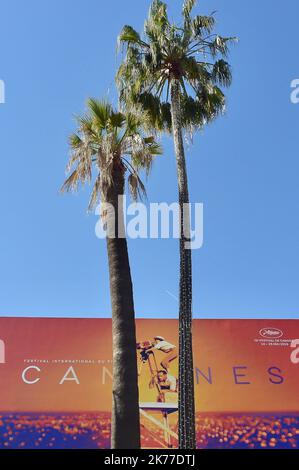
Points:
[(56, 377)]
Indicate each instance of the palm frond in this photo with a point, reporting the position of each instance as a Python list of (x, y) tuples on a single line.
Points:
[(71, 183), (190, 53), (95, 193), (201, 25), (220, 45), (85, 124), (222, 73), (100, 112), (136, 187), (128, 35), (157, 21), (103, 139), (75, 141), (158, 12), (116, 121), (188, 7)]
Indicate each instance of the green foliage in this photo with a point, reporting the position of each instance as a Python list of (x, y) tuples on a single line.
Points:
[(107, 141), (187, 7), (129, 35), (189, 53)]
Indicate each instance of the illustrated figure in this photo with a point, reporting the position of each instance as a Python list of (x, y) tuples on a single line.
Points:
[(167, 381), (169, 349), (161, 378)]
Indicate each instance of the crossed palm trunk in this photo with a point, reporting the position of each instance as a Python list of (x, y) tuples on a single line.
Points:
[(187, 438)]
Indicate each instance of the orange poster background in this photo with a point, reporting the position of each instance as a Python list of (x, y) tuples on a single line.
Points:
[(218, 344)]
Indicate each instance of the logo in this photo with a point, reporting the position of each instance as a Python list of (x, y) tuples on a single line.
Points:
[(270, 333)]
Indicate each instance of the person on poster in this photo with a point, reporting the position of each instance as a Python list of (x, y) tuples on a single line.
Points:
[(169, 349), (167, 381)]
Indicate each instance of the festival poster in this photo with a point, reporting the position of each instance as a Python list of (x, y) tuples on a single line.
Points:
[(56, 376)]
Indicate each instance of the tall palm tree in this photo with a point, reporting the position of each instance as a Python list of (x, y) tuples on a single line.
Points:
[(175, 71), (107, 145)]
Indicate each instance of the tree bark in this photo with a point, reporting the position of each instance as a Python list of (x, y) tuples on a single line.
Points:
[(125, 426), (187, 438)]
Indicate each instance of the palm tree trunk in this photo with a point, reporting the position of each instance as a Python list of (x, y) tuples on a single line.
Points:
[(187, 438), (125, 428)]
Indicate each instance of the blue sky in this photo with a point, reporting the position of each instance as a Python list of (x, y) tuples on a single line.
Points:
[(244, 167)]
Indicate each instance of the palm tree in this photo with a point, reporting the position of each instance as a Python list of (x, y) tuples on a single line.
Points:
[(175, 73), (107, 145)]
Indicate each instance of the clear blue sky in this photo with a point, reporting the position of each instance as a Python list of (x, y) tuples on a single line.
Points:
[(244, 168)]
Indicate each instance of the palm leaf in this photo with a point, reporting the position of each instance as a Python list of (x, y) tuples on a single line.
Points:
[(222, 73), (71, 183), (75, 141), (95, 194), (103, 138), (128, 35), (187, 8), (190, 53), (136, 187), (100, 112)]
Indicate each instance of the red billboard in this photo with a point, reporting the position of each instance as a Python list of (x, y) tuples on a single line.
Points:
[(56, 376)]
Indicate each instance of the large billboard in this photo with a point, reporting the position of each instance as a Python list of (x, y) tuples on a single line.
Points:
[(56, 377)]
